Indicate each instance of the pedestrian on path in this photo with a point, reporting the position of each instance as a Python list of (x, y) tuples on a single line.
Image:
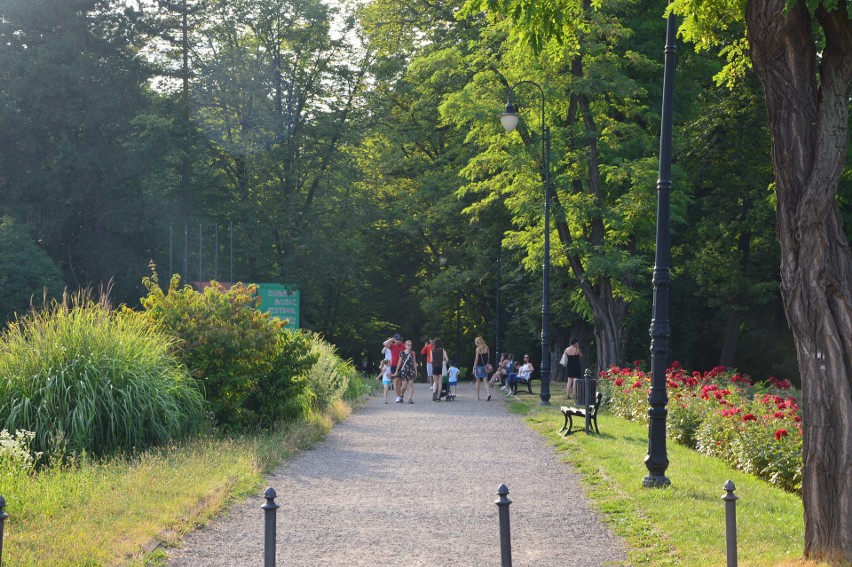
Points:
[(406, 373), (396, 346), (426, 352), (481, 367), (452, 380), (385, 377), (571, 361), (439, 359)]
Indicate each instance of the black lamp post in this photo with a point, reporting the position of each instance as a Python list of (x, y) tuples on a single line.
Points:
[(498, 346), (657, 460), (509, 119)]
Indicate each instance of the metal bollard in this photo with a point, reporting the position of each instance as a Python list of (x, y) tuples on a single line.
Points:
[(587, 385), (3, 516), (269, 509), (731, 522), (505, 534)]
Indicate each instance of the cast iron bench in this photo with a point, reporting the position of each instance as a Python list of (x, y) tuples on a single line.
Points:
[(570, 412), (527, 382)]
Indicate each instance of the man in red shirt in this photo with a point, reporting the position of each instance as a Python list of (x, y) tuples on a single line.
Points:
[(426, 351), (395, 345)]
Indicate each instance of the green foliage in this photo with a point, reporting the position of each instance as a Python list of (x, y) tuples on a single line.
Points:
[(328, 380), (26, 271), (86, 378), (71, 84), (283, 393), (237, 355)]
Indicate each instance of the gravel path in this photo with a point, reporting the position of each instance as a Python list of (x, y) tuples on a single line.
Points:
[(410, 485)]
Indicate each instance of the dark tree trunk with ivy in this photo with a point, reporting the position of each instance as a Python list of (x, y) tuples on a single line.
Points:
[(807, 95)]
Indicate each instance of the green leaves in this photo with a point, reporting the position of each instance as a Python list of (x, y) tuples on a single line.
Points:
[(85, 378), (250, 370)]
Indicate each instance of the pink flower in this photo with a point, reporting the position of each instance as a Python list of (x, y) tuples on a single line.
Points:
[(780, 433)]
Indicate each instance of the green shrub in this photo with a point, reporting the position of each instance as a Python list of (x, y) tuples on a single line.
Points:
[(686, 413), (91, 379), (358, 386), (283, 393), (329, 378), (250, 370)]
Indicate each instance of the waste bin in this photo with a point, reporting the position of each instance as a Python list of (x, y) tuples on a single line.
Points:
[(580, 391)]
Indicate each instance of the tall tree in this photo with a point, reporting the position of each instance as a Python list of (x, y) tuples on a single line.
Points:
[(802, 52), (603, 159), (70, 88)]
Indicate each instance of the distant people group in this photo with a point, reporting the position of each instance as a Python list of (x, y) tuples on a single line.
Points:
[(399, 369)]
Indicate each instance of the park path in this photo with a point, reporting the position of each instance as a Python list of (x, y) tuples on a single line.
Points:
[(415, 485)]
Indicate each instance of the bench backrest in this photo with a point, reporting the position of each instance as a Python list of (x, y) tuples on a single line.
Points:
[(598, 399)]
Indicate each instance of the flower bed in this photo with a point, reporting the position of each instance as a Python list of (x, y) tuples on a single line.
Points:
[(755, 427)]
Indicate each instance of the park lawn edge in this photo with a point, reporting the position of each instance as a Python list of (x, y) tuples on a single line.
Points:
[(682, 524), (124, 510)]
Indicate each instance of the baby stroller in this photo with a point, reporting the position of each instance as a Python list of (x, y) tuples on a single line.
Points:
[(445, 388)]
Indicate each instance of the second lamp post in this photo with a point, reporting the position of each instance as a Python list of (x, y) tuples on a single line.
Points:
[(509, 119)]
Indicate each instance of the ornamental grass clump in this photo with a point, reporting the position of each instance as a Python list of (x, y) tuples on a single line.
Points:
[(754, 427), (85, 378)]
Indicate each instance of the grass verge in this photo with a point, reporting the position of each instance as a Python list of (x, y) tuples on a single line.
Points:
[(683, 524), (114, 511)]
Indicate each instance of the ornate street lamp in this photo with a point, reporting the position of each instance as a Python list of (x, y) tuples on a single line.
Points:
[(656, 460), (509, 120)]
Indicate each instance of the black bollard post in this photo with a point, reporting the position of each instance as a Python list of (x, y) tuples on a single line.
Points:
[(731, 522), (505, 534), (3, 516), (587, 385), (269, 509)]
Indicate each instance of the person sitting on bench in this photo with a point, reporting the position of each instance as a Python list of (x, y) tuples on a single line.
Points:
[(524, 373)]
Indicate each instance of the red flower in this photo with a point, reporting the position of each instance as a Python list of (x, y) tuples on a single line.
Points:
[(779, 414), (637, 384), (619, 382), (780, 433), (749, 417)]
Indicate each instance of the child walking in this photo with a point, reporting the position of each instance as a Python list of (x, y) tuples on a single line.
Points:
[(453, 380), (385, 377)]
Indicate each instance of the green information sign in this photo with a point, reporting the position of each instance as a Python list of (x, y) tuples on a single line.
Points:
[(282, 301)]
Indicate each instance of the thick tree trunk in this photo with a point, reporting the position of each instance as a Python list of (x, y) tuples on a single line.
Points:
[(809, 122), (728, 355), (610, 334)]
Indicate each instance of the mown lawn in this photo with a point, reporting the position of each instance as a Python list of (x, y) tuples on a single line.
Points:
[(683, 524)]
